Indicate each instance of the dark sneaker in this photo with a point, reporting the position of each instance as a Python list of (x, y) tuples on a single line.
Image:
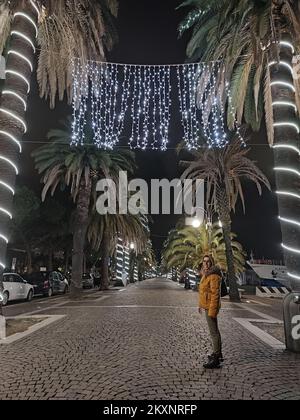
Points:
[(213, 363), (211, 356)]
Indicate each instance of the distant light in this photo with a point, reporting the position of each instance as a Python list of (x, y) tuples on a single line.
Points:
[(196, 223)]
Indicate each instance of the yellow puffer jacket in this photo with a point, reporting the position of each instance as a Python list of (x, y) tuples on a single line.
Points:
[(210, 292)]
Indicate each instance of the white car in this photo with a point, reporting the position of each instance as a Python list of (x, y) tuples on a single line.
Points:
[(16, 288)]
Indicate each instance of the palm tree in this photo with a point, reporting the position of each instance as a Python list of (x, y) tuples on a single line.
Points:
[(103, 233), (78, 168), (51, 32), (223, 170), (255, 42), (186, 247)]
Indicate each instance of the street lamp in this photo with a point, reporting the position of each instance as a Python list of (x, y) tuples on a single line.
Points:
[(196, 223)]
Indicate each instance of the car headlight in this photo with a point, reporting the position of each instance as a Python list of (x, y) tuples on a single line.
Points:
[(1, 297)]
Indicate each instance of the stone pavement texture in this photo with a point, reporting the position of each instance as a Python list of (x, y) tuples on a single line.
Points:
[(147, 342)]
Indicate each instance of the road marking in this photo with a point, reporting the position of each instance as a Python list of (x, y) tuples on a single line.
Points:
[(268, 339), (49, 319)]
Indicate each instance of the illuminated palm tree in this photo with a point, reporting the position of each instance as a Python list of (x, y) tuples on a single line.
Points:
[(255, 42), (223, 170), (51, 32), (79, 168), (186, 247)]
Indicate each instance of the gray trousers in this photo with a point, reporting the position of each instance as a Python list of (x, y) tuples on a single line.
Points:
[(214, 333)]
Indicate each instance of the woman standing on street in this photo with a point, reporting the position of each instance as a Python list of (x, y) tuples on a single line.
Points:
[(210, 302)]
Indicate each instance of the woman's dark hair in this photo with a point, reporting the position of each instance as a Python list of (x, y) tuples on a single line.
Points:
[(211, 259)]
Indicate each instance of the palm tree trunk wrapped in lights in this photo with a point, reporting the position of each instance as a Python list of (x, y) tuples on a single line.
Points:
[(53, 31), (224, 170), (286, 153), (256, 46), (13, 105)]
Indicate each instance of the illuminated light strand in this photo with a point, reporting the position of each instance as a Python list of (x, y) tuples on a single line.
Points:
[(284, 103), (290, 170), (10, 92), (22, 56), (287, 146), (5, 111), (293, 250), (10, 163), (26, 38), (288, 194), (5, 185), (35, 7), (5, 239), (293, 276), (282, 63), (287, 124), (25, 16), (287, 44), (17, 74), (143, 95), (292, 222), (2, 210), (10, 136), (5, 133), (285, 84)]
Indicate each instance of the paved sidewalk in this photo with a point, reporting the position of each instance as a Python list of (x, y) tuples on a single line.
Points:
[(147, 342)]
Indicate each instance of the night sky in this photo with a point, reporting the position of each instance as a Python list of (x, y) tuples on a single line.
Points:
[(148, 35)]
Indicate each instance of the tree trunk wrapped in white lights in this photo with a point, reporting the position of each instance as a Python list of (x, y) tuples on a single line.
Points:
[(13, 106), (287, 162)]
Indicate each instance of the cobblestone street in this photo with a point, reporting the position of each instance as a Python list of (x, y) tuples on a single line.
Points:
[(146, 342)]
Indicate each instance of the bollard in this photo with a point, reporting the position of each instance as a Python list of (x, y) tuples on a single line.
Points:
[(291, 309)]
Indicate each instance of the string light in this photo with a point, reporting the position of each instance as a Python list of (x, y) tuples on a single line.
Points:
[(144, 93), (293, 250), (22, 56), (290, 170), (282, 63), (10, 163), (288, 194), (35, 7), (4, 238), (293, 276), (287, 44), (13, 115), (290, 147), (120, 260), (6, 212), (287, 146), (287, 124), (8, 187), (16, 95), (284, 84), (16, 74), (11, 137), (284, 103), (24, 15), (25, 37)]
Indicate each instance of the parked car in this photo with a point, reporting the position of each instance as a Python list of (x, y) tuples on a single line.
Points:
[(16, 288), (88, 281), (48, 283)]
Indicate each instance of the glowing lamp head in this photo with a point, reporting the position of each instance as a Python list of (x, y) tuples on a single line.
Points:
[(196, 223)]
